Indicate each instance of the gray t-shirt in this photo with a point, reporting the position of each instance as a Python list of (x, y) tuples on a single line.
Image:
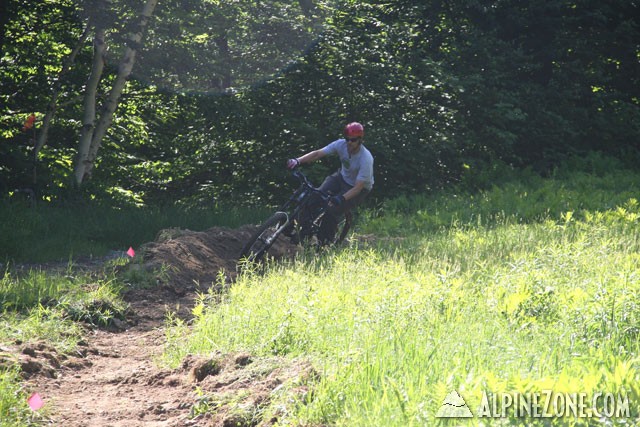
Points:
[(356, 167)]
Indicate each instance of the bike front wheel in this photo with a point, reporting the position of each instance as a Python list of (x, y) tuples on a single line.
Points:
[(264, 237)]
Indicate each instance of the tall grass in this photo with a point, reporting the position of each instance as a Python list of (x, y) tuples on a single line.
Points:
[(75, 296), (483, 299), (589, 185)]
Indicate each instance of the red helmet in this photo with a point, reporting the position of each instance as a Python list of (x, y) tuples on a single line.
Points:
[(354, 130)]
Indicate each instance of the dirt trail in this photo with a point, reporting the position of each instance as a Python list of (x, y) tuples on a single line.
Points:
[(116, 378)]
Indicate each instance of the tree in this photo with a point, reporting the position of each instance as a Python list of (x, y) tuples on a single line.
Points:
[(88, 148), (213, 47), (55, 92), (36, 37)]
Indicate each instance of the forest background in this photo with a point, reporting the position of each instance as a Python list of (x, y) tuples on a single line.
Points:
[(122, 103)]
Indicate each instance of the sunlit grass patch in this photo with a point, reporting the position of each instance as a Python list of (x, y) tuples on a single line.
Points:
[(32, 288), (507, 307), (76, 297), (40, 324)]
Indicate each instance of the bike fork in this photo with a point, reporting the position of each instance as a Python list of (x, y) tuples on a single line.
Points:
[(279, 231)]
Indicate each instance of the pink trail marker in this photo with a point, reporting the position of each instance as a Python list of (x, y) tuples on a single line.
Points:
[(131, 252), (35, 402)]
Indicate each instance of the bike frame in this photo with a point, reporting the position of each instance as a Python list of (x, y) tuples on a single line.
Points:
[(292, 210), (298, 201)]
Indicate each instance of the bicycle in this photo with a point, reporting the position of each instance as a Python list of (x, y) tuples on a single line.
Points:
[(300, 218)]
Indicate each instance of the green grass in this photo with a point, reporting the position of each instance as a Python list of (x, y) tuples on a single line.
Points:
[(49, 307), (54, 233), (45, 307), (584, 189), (76, 297), (533, 286), (14, 411), (529, 285)]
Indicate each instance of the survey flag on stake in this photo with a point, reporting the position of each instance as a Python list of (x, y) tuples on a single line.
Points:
[(35, 402), (131, 252)]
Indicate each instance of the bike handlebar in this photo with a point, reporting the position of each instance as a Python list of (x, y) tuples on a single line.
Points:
[(305, 181)]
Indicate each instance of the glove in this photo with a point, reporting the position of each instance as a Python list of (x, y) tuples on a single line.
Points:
[(337, 200), (293, 163)]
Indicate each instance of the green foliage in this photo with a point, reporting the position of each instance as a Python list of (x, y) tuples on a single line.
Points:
[(218, 47), (224, 92)]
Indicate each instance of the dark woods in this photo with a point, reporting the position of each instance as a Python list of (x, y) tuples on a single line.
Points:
[(220, 95)]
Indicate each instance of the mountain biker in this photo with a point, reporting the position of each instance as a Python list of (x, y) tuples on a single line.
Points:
[(351, 183)]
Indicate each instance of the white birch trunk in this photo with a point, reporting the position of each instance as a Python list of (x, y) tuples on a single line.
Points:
[(124, 71), (89, 118)]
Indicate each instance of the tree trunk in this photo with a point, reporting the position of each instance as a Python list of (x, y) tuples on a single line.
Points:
[(53, 103), (86, 161), (88, 121), (226, 79)]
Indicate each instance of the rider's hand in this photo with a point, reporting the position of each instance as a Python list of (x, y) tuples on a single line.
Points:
[(293, 163), (336, 200)]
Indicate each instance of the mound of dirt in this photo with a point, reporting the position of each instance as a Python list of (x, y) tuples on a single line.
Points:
[(239, 386), (186, 260), (40, 359)]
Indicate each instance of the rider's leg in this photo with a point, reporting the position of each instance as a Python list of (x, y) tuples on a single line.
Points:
[(308, 214), (335, 184)]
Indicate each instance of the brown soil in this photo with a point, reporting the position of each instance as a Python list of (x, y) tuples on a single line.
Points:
[(116, 378)]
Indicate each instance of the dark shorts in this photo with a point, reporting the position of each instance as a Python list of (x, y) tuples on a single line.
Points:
[(335, 184)]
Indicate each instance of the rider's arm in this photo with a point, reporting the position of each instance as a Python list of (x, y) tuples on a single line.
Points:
[(312, 156), (354, 191)]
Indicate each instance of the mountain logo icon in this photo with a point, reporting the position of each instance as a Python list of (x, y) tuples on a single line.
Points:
[(454, 406)]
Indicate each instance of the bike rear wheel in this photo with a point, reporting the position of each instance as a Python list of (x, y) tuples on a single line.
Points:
[(264, 237), (331, 233), (343, 227)]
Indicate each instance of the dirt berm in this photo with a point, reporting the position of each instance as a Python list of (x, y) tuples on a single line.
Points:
[(184, 259)]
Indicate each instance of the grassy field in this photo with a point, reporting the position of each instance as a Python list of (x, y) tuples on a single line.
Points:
[(527, 287)]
